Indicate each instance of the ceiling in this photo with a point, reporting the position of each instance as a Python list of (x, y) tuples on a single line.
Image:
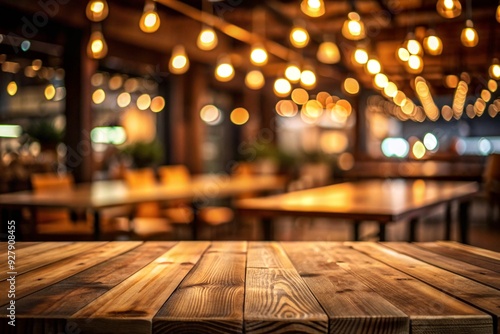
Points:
[(387, 22)]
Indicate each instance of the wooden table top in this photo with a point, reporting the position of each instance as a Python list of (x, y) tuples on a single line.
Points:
[(102, 194), (382, 200), (252, 287)]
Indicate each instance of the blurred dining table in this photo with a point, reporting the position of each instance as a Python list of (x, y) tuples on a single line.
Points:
[(96, 196), (382, 200)]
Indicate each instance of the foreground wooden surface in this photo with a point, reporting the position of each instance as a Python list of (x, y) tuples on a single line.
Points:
[(252, 287)]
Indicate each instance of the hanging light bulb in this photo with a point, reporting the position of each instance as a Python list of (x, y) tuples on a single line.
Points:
[(313, 8), (150, 20), (97, 47), (299, 37), (403, 54), (292, 73), (360, 55), (353, 28), (207, 39), (433, 44), (494, 69), (255, 80), (258, 56), (97, 10), (282, 87), (179, 62), (449, 8), (412, 45), (373, 66), (328, 53), (415, 64), (308, 78), (469, 35), (224, 71)]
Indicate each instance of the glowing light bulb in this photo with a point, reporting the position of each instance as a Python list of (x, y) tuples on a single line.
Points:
[(373, 66), (449, 8), (308, 79), (97, 47), (433, 44), (50, 92), (97, 10), (351, 86), (282, 87), (292, 73), (254, 80), (415, 64), (179, 62), (150, 20), (360, 56), (239, 116), (494, 71), (353, 28), (299, 37), (328, 53), (258, 56), (414, 47), (403, 54), (313, 8), (380, 80), (469, 35), (224, 71), (207, 39)]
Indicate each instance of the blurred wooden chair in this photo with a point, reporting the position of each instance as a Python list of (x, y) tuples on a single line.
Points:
[(148, 221), (58, 224), (181, 212), (63, 224), (491, 183)]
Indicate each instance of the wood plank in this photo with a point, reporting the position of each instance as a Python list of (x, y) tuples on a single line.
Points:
[(463, 256), (471, 249), (40, 278), (277, 300), (352, 307), (430, 310), (24, 244), (210, 299), (482, 275), (481, 296), (130, 306), (50, 308), (46, 253)]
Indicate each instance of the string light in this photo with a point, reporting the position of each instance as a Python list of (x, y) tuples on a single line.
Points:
[(255, 80), (179, 62), (282, 87), (313, 8), (12, 88), (469, 35), (353, 28), (224, 71), (373, 66), (292, 73), (433, 44), (207, 39), (150, 20), (449, 8), (494, 70), (299, 37), (308, 79), (97, 47), (97, 10), (360, 56), (328, 53), (258, 56)]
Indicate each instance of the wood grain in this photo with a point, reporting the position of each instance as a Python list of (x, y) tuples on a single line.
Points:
[(427, 307), (470, 249), (277, 300), (40, 278), (58, 302), (210, 298), (41, 254), (352, 307), (464, 256), (131, 305), (483, 297), (482, 275)]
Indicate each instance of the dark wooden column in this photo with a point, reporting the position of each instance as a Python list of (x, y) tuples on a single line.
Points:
[(79, 68), (177, 121)]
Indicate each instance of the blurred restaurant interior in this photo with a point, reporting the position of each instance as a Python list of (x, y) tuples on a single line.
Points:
[(313, 92)]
